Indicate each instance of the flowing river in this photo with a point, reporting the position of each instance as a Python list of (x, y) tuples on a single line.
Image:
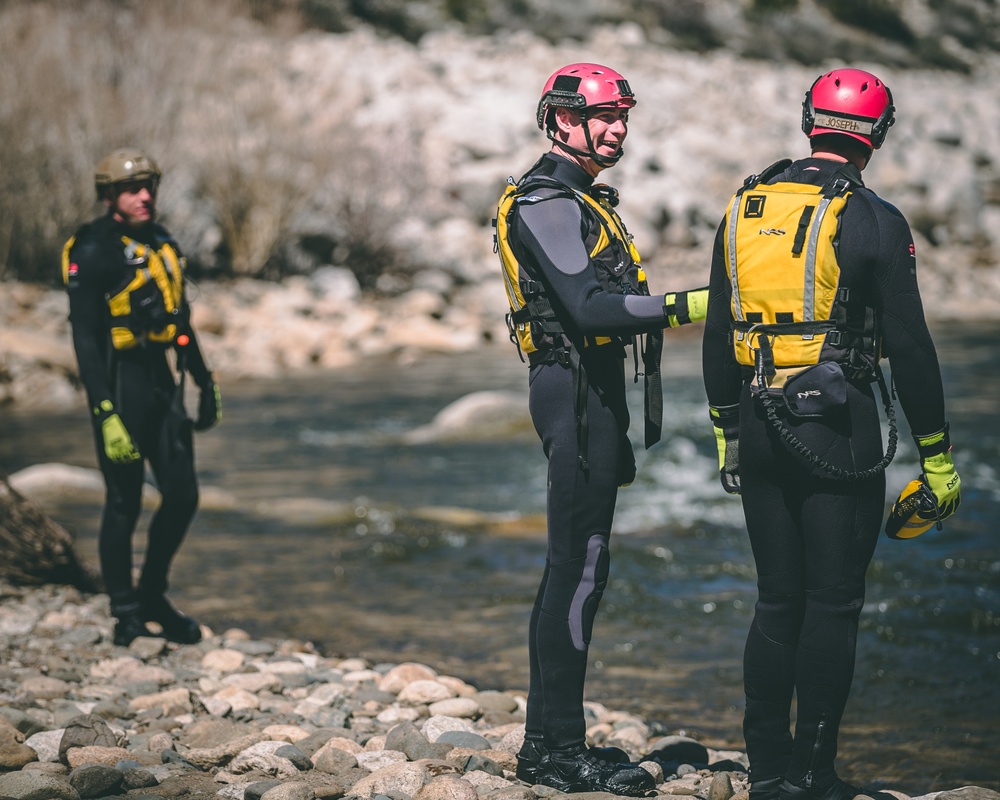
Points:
[(347, 532)]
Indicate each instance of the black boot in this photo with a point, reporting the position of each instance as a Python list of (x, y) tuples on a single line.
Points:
[(766, 789), (837, 790), (585, 771), (129, 625), (532, 751), (177, 627), (528, 756)]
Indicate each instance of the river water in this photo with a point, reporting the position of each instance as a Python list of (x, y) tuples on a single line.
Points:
[(346, 535)]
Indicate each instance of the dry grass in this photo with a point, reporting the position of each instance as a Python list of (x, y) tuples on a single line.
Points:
[(198, 86)]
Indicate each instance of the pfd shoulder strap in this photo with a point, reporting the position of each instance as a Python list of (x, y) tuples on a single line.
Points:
[(763, 177)]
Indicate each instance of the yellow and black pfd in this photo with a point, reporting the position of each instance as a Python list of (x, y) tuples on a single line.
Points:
[(789, 310), (535, 327), (147, 306), (533, 324)]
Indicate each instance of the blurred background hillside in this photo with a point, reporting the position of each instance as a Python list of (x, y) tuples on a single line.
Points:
[(332, 167), (375, 134)]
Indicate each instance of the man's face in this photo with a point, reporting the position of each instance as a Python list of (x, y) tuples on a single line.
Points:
[(608, 129), (134, 202)]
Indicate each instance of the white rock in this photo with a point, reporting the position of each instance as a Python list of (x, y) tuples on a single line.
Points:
[(397, 678), (223, 660), (435, 726), (46, 744), (461, 707), (262, 756), (424, 691), (393, 780), (374, 760)]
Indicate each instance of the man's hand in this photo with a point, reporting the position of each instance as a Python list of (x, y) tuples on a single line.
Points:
[(683, 308), (939, 471), (209, 407), (726, 420), (118, 444)]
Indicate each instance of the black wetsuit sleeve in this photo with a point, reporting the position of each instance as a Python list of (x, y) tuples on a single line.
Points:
[(195, 360), (721, 372), (87, 319), (550, 234), (907, 342)]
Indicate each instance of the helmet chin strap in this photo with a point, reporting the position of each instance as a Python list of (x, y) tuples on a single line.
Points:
[(604, 161)]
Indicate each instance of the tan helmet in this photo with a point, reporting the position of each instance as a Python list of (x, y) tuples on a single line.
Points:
[(125, 164)]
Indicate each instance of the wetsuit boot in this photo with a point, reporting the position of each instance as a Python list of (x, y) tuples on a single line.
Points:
[(129, 624), (177, 627), (533, 750), (766, 789), (837, 790), (582, 770)]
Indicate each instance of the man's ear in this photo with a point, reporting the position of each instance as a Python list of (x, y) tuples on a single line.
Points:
[(566, 119)]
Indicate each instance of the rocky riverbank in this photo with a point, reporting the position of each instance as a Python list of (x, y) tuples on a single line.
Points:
[(244, 719), (436, 128)]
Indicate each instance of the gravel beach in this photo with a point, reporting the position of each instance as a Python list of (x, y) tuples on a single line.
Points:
[(244, 719)]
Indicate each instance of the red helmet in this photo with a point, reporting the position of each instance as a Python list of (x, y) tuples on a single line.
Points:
[(580, 86), (851, 102)]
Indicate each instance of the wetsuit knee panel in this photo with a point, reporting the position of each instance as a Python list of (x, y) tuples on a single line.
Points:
[(574, 590), (779, 616), (848, 591)]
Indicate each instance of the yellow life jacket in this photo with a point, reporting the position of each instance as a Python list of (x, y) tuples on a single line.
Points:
[(788, 308), (147, 307), (532, 322), (534, 326)]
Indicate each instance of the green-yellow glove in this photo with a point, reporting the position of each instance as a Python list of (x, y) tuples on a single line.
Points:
[(117, 443), (939, 471), (682, 308), (726, 420)]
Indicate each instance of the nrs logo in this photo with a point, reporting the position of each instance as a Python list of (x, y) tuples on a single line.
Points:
[(770, 231), (808, 393)]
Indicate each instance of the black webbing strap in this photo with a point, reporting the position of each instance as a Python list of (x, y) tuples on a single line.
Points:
[(678, 308), (653, 387), (802, 230), (580, 386)]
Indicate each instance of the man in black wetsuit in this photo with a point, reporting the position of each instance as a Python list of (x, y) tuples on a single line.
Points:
[(813, 535), (124, 274), (578, 295)]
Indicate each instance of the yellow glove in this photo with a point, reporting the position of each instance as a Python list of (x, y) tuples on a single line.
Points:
[(726, 420), (117, 443), (682, 308), (939, 471)]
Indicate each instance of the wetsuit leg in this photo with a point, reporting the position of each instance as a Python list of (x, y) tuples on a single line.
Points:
[(122, 505), (812, 539), (580, 509), (134, 402), (172, 464)]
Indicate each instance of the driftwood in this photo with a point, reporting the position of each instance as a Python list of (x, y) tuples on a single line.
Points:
[(34, 549)]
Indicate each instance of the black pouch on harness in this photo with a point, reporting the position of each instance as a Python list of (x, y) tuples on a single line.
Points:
[(816, 391)]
